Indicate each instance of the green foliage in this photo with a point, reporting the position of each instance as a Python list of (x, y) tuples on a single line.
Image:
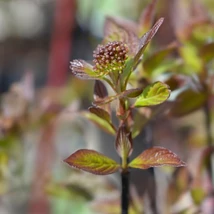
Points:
[(153, 94), (115, 60), (92, 161)]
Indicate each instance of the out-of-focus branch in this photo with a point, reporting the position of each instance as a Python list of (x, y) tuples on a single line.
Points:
[(60, 46)]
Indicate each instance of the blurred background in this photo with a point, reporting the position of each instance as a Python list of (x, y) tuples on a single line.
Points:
[(39, 100)]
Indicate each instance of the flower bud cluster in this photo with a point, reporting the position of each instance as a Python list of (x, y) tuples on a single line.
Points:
[(110, 57)]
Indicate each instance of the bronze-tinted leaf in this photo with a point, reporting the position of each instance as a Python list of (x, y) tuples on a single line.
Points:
[(147, 17), (103, 123), (100, 90), (146, 38), (113, 24), (154, 157), (188, 101), (116, 32), (93, 162), (106, 100), (123, 143), (100, 113), (206, 52), (127, 93), (83, 70), (133, 93)]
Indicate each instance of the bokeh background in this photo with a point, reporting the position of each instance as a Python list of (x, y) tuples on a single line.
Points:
[(39, 98)]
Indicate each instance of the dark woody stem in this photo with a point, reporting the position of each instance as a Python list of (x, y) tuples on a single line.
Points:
[(125, 174), (125, 191)]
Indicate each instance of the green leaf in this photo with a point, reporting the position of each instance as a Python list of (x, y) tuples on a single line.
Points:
[(206, 52), (153, 94), (156, 60), (123, 144), (198, 194), (127, 72), (103, 122), (187, 102), (68, 191), (93, 162), (192, 61), (154, 157), (168, 65)]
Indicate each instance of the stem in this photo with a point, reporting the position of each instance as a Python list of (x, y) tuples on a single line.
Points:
[(207, 114), (151, 187), (208, 123), (125, 174), (125, 192), (152, 191)]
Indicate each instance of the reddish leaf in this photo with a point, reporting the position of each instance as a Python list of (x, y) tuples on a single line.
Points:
[(133, 93), (106, 100), (113, 24), (147, 37), (103, 123), (123, 143), (100, 92), (116, 32), (206, 52), (93, 162), (187, 102), (83, 70), (100, 113), (147, 17), (154, 157), (127, 93)]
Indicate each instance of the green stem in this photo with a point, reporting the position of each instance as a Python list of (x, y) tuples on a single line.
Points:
[(110, 83)]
